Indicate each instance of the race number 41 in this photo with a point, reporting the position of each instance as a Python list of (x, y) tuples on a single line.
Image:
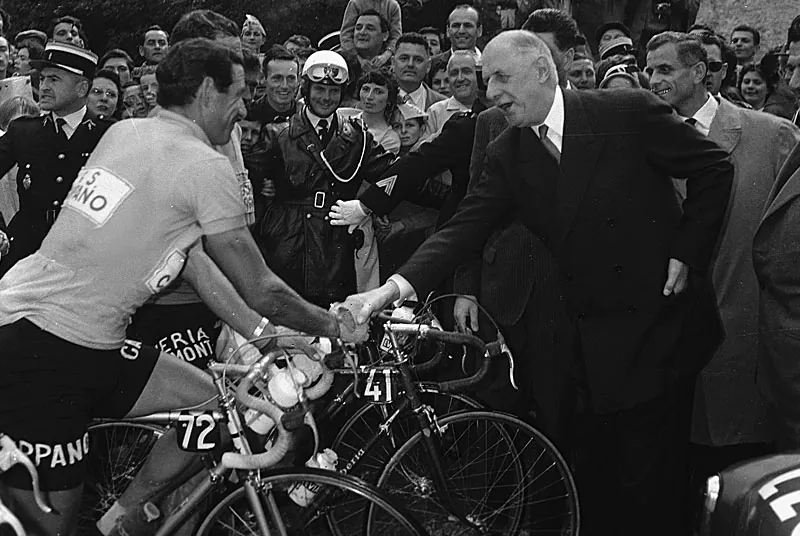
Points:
[(380, 386)]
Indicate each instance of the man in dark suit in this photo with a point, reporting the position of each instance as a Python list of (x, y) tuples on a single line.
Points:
[(50, 149), (590, 173), (521, 296), (463, 30)]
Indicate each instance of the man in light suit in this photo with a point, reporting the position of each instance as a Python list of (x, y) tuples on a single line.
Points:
[(776, 256), (591, 172), (730, 421)]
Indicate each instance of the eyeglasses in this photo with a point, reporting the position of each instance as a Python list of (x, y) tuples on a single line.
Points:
[(96, 91), (318, 73), (715, 66)]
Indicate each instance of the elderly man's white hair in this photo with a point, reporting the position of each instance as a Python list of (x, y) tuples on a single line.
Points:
[(526, 42)]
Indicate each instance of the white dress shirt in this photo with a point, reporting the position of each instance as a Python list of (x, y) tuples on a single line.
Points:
[(419, 97), (705, 115), (72, 121)]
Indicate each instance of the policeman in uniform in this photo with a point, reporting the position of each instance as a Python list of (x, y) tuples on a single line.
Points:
[(319, 158), (49, 149)]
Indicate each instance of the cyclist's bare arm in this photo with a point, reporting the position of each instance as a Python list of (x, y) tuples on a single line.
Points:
[(218, 292), (240, 260)]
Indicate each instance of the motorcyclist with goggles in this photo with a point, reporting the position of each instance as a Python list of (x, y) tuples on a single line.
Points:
[(318, 158)]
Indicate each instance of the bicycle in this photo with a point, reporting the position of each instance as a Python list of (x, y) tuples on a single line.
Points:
[(525, 486), (11, 455), (256, 500)]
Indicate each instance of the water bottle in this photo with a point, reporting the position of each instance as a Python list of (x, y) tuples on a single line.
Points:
[(283, 393), (302, 493)]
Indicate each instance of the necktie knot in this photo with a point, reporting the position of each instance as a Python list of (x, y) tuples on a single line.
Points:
[(60, 124), (322, 129), (548, 143), (691, 121)]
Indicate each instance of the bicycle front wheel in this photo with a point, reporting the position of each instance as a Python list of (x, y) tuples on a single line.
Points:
[(348, 496), (502, 476)]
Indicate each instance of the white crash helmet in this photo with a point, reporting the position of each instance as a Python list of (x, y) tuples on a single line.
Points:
[(326, 67)]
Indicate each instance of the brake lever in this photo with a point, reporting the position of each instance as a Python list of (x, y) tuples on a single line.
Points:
[(10, 455), (8, 518), (505, 349)]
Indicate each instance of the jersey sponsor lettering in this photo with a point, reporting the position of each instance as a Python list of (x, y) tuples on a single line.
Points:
[(59, 455), (130, 349), (167, 271), (97, 194), (190, 345)]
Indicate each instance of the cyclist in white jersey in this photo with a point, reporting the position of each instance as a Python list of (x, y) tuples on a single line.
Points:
[(149, 192)]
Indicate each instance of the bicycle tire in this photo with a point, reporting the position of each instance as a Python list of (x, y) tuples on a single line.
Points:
[(535, 494), (364, 422), (116, 453), (235, 510)]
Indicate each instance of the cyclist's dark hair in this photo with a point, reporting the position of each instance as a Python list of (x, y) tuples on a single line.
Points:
[(204, 23), (278, 52), (154, 28), (116, 53), (373, 13), (747, 28), (560, 24), (188, 63), (413, 38)]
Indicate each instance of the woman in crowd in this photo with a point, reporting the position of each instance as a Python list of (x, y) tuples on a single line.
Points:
[(253, 34), (438, 79), (758, 88), (104, 97), (31, 51), (377, 100)]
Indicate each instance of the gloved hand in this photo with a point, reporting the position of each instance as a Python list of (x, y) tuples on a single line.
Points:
[(350, 213)]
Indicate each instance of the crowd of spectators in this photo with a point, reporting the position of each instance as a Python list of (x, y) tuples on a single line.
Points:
[(412, 92)]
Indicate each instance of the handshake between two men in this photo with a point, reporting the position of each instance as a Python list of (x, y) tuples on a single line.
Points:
[(353, 315)]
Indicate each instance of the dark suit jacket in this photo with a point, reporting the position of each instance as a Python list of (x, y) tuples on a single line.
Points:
[(614, 222)]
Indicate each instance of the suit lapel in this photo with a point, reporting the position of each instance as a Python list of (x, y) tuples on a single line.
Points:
[(726, 128), (579, 153)]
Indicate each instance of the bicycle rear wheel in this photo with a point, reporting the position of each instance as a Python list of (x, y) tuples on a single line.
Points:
[(117, 451), (347, 495), (503, 477)]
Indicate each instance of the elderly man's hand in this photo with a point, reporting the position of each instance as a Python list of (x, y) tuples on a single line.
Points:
[(349, 330), (366, 304), (677, 277)]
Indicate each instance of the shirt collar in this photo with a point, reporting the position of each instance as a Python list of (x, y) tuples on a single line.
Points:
[(314, 119), (705, 115), (167, 115), (417, 96), (74, 119), (554, 120)]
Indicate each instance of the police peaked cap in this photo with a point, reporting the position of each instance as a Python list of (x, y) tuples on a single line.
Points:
[(73, 59)]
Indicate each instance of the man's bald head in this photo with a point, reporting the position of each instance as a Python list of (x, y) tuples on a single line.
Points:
[(522, 43)]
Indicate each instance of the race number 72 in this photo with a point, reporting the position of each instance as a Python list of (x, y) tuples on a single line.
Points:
[(198, 432)]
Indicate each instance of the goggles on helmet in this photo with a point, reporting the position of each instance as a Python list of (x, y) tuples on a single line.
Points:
[(321, 72)]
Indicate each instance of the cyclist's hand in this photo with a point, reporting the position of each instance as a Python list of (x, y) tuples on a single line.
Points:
[(5, 244), (366, 304), (465, 312), (349, 330), (347, 213)]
